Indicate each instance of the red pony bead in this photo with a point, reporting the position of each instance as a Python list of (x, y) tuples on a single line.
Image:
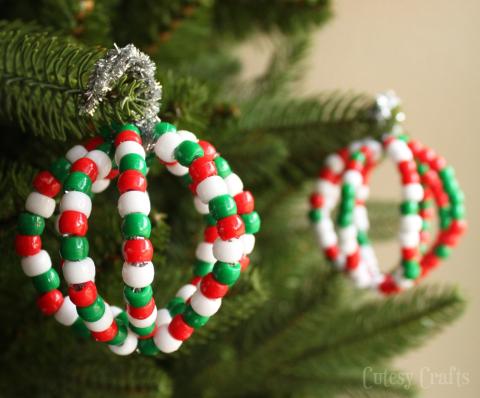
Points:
[(388, 286), (208, 149), (230, 227), (409, 253), (179, 329), (202, 168), (73, 223), (329, 175), (316, 200), (211, 288), (28, 245), (458, 227), (92, 143), (86, 166), (131, 180), (244, 263), (107, 334), (127, 135), (142, 312), (195, 281), (84, 294), (331, 252), (245, 202), (113, 174), (50, 302), (46, 184), (193, 187), (353, 260), (210, 234), (137, 250)]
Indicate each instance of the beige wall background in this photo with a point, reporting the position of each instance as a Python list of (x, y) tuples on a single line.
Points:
[(428, 52)]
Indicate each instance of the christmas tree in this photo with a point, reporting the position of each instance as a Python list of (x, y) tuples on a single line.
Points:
[(292, 326)]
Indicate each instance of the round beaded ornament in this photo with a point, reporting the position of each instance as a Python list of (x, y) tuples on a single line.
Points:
[(229, 239), (425, 178)]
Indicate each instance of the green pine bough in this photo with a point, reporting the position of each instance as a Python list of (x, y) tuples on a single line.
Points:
[(43, 78)]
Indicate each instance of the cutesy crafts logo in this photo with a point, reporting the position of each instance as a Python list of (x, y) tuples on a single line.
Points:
[(425, 378)]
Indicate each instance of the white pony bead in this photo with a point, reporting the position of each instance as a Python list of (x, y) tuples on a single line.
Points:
[(164, 341), (75, 153), (127, 147), (401, 281), (399, 151), (412, 192), (138, 276), (327, 239), (187, 136), (201, 207), (133, 202), (234, 184), (76, 272), (100, 185), (353, 177), (143, 323), (204, 252), (328, 190), (248, 241), (186, 291), (210, 188), (37, 264), (165, 146), (360, 218), (40, 204), (177, 169), (361, 276), (411, 223), (163, 317), (228, 251), (67, 313), (127, 347), (103, 323), (349, 246), (335, 163), (77, 201), (363, 192), (409, 239), (348, 233), (205, 306), (103, 162)]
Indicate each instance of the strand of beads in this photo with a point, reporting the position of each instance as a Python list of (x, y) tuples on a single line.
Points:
[(355, 254), (229, 235), (36, 262)]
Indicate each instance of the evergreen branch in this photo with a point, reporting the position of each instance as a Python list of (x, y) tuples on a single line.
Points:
[(42, 79)]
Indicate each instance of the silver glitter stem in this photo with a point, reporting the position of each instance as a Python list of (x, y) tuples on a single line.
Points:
[(109, 69)]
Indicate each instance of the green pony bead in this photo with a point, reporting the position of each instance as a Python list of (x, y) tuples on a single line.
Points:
[(187, 152), (226, 273), (133, 161), (147, 347), (442, 251), (186, 179), (315, 215), (202, 268), (122, 318), (409, 207), (47, 281), (136, 225), (61, 169), (138, 297), (162, 128), (411, 269), (80, 329), (93, 312), (358, 156), (252, 222), (223, 168), (348, 191), (447, 173), (193, 319), (423, 168), (457, 197), (176, 306), (362, 238), (128, 126), (78, 181), (345, 219), (30, 224), (458, 211), (347, 205), (209, 220), (120, 336), (142, 331), (74, 248), (222, 206)]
